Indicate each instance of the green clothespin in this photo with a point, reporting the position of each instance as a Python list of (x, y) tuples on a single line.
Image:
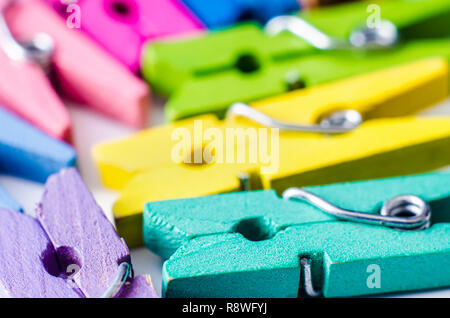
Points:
[(207, 73), (256, 244)]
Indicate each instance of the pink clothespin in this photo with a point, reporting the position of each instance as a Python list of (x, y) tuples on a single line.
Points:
[(84, 72), (24, 86), (115, 22), (69, 250)]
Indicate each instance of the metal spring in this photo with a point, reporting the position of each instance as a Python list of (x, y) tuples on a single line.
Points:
[(405, 212)]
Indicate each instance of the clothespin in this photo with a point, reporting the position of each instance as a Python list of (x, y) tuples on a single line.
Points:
[(70, 250), (84, 72), (7, 202), (222, 13), (24, 86), (113, 23), (154, 165), (207, 73), (339, 240), (27, 152)]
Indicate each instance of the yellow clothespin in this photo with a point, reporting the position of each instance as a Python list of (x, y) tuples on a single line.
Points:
[(154, 164)]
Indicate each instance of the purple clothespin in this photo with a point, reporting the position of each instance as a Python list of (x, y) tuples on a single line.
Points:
[(70, 250)]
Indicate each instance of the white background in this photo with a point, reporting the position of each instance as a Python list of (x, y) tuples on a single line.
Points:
[(90, 128)]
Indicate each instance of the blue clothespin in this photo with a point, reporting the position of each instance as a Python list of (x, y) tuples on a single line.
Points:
[(27, 152), (220, 13)]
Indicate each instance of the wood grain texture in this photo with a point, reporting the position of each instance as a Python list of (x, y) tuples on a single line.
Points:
[(83, 236), (78, 227), (70, 250), (25, 253)]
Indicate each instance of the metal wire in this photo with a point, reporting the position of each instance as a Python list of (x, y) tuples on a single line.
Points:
[(406, 212), (39, 50), (308, 285), (383, 35), (337, 123), (124, 272)]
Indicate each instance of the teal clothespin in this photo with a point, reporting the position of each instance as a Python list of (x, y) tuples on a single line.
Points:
[(207, 73), (257, 244)]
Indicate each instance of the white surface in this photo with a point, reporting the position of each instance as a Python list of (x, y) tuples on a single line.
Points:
[(90, 128)]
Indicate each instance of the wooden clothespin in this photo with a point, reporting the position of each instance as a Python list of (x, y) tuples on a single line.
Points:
[(24, 86), (207, 73), (222, 13), (152, 166), (112, 23), (83, 71), (340, 240), (27, 152), (70, 250)]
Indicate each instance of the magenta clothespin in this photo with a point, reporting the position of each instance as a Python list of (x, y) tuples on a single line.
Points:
[(84, 72), (70, 250), (112, 23), (24, 86)]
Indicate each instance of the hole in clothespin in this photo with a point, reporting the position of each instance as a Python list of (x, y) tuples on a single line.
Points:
[(64, 261), (247, 63), (256, 229), (121, 8), (294, 80), (246, 15), (124, 11), (61, 9)]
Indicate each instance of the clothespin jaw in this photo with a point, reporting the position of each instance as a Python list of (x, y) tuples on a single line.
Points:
[(71, 249), (304, 158), (27, 152), (112, 23), (8, 203), (76, 58), (253, 64), (265, 237), (26, 276), (224, 13)]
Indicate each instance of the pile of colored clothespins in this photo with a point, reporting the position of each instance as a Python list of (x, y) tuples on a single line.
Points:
[(292, 151)]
